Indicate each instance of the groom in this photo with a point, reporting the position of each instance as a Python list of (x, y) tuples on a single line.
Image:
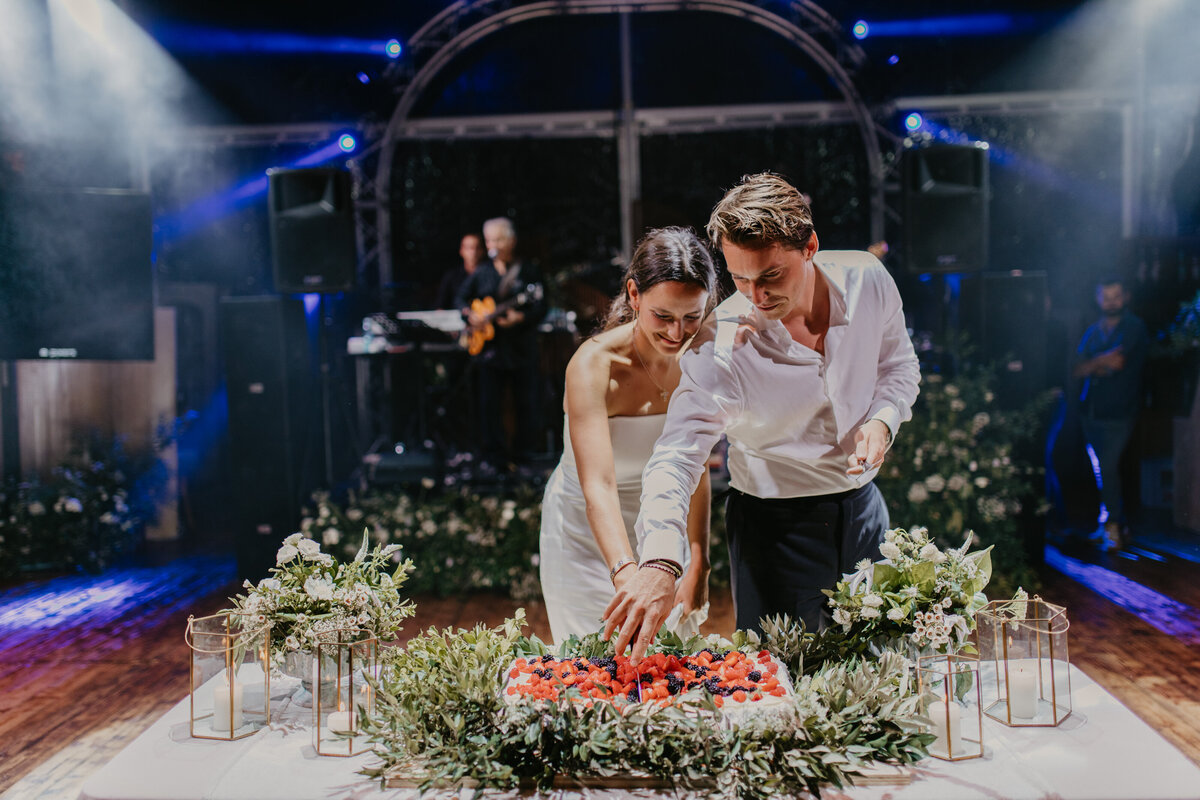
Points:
[(808, 371)]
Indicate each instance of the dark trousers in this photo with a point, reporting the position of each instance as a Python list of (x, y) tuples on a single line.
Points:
[(783, 552), (1108, 438), (517, 386)]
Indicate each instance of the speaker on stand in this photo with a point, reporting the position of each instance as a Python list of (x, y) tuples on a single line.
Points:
[(272, 425), (945, 195), (313, 251)]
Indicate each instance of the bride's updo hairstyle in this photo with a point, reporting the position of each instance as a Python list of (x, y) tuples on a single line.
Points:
[(665, 254)]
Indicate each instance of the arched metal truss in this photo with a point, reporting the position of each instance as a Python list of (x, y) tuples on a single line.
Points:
[(801, 23)]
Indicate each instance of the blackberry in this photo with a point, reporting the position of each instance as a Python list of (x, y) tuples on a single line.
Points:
[(755, 676), (645, 678), (699, 669), (674, 685), (547, 657), (632, 696), (578, 664)]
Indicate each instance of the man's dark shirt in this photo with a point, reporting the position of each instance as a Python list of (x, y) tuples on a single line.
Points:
[(1119, 394), (448, 288)]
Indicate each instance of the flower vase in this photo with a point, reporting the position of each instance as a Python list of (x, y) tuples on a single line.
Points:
[(301, 664)]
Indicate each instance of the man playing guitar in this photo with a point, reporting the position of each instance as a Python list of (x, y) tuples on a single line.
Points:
[(508, 364)]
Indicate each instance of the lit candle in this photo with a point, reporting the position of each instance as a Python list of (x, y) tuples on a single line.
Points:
[(947, 726), (222, 706), (1022, 689)]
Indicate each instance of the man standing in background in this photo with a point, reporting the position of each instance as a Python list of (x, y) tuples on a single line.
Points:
[(1111, 356)]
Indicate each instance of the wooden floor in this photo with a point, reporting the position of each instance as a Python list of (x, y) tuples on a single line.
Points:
[(84, 667)]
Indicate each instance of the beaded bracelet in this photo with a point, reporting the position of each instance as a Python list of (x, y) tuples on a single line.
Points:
[(660, 567), (664, 563), (620, 565)]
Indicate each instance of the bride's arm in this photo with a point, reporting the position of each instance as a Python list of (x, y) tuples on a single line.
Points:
[(586, 391)]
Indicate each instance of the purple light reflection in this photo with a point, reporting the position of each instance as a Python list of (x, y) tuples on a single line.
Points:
[(1156, 609)]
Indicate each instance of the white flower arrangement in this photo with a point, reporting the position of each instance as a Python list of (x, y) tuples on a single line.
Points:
[(309, 593), (919, 594)]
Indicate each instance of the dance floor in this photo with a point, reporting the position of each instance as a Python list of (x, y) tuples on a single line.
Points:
[(86, 663)]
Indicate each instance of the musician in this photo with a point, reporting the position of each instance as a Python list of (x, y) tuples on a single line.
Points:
[(470, 250), (508, 366)]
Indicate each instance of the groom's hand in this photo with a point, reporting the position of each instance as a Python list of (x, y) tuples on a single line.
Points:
[(870, 444), (639, 608)]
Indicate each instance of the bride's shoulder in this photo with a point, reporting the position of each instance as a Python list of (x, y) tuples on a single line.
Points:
[(597, 356)]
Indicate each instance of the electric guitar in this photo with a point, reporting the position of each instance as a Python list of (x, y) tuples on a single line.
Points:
[(474, 337)]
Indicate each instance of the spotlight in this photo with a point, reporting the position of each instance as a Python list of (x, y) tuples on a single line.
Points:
[(861, 29), (347, 142), (914, 121), (393, 48), (364, 78), (894, 60)]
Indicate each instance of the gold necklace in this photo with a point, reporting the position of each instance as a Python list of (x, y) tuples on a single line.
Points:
[(663, 393)]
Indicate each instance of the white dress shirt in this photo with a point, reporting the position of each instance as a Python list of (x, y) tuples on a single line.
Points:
[(789, 413)]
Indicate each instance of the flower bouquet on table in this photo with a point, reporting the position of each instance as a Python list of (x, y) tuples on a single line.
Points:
[(309, 593), (918, 599)]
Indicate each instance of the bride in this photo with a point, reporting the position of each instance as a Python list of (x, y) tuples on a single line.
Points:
[(618, 384)]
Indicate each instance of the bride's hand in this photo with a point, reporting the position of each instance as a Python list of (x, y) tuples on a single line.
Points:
[(693, 589)]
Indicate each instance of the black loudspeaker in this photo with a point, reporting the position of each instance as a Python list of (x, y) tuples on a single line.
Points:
[(312, 230), (76, 280), (274, 423), (945, 208), (1010, 326)]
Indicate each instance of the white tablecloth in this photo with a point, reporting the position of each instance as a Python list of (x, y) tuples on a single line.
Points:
[(1101, 752)]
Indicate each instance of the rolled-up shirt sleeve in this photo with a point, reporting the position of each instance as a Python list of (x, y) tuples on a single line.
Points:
[(700, 410), (899, 371)]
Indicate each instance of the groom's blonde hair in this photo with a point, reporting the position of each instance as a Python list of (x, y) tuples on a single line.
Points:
[(760, 211)]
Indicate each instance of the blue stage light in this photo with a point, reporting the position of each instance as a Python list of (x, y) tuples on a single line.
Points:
[(914, 121), (861, 29), (894, 60), (347, 142), (364, 78), (393, 48)]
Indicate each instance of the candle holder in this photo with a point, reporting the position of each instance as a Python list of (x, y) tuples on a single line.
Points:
[(230, 677), (345, 658), (1024, 643), (951, 686)]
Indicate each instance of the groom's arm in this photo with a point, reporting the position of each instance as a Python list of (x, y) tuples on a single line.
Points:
[(700, 410)]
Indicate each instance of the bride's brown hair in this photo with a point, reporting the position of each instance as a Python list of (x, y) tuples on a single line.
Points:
[(665, 254)]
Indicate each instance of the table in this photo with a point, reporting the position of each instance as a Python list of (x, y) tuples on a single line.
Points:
[(1103, 751)]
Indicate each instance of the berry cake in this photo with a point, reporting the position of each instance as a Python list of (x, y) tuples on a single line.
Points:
[(733, 678)]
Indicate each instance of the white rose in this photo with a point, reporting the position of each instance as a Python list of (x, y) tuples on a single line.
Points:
[(354, 514), (36, 509), (930, 552), (318, 589), (308, 548), (896, 614), (935, 483), (889, 551), (331, 536), (73, 505), (841, 617), (270, 584), (294, 539), (872, 601), (286, 554), (870, 613), (982, 482), (956, 483)]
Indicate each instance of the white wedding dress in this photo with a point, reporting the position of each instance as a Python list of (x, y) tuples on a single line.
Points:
[(575, 581)]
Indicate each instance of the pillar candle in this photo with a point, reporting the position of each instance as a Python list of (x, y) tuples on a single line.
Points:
[(1022, 688), (221, 709), (339, 722), (949, 737)]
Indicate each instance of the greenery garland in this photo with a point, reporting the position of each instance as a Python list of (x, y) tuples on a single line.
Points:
[(440, 719)]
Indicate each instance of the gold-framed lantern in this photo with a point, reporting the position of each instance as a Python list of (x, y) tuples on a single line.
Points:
[(1024, 644), (344, 659), (229, 677), (953, 703)]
